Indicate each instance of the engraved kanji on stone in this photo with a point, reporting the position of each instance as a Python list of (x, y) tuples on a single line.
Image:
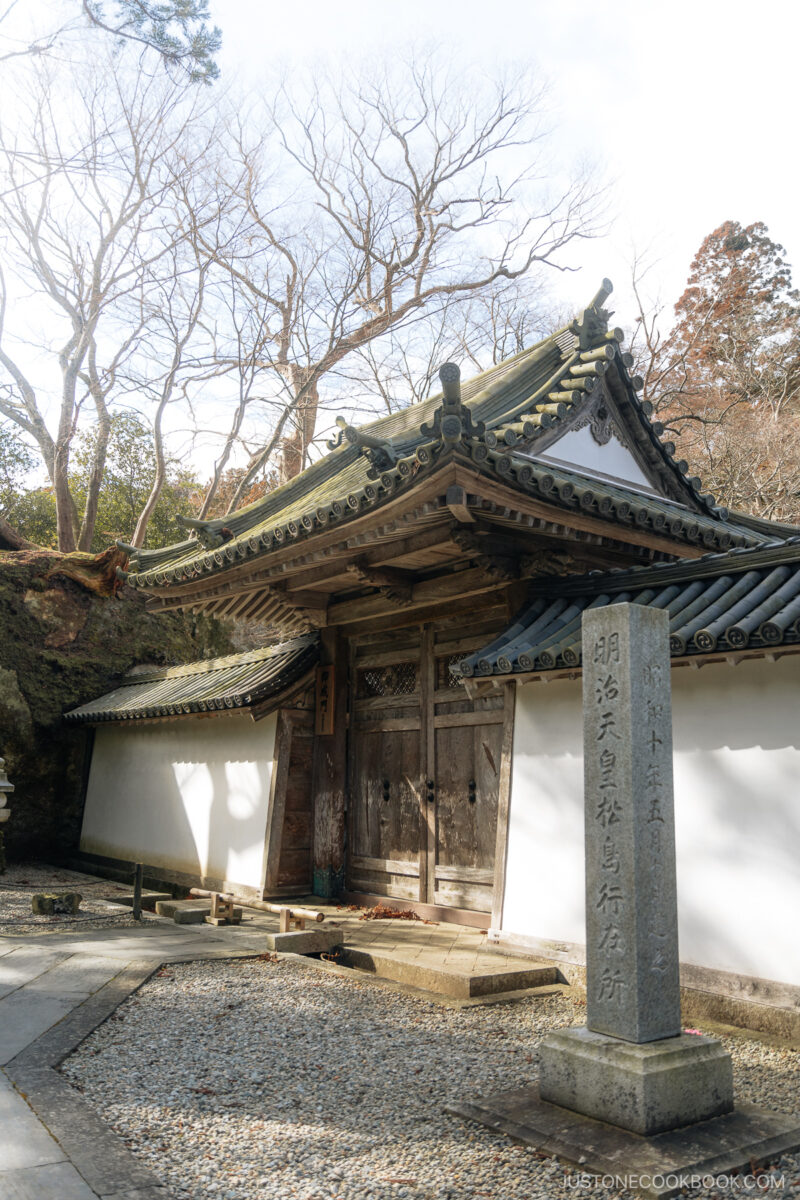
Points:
[(609, 810), (611, 939), (660, 963), (653, 777), (606, 689), (610, 897), (608, 761), (652, 674), (610, 860), (606, 650), (655, 813), (653, 741), (607, 723), (611, 985)]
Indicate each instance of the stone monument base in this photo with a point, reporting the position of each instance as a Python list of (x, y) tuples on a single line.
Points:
[(647, 1087), (658, 1166)]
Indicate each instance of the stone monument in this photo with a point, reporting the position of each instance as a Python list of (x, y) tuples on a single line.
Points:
[(629, 1093), (631, 1065)]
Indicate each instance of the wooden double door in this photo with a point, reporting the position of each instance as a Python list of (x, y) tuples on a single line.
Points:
[(426, 771)]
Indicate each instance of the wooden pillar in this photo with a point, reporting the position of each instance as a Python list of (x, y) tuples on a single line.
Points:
[(330, 776)]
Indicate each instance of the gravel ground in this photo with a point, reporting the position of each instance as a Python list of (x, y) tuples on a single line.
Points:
[(21, 881), (253, 1080)]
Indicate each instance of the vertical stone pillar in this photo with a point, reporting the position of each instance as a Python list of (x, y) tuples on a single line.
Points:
[(633, 990), (630, 1065)]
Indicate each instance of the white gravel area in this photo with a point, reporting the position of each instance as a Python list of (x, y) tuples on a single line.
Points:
[(256, 1080), (21, 881)]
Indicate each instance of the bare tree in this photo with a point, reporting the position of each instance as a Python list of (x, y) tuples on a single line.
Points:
[(376, 199), (92, 231), (401, 367)]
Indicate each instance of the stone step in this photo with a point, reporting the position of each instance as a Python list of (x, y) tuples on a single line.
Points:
[(189, 912), (482, 979)]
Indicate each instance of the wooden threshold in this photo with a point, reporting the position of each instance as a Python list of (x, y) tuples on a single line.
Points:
[(430, 912)]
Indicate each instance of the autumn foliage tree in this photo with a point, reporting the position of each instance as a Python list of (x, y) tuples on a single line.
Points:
[(726, 381)]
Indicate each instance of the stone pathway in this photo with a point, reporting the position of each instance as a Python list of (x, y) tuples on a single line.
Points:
[(55, 989)]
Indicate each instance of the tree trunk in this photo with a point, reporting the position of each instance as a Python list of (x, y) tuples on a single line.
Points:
[(294, 448), (95, 479)]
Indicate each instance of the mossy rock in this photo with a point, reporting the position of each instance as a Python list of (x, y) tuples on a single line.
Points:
[(49, 665), (54, 904)]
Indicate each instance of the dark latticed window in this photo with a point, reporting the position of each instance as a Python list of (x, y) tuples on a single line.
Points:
[(400, 679)]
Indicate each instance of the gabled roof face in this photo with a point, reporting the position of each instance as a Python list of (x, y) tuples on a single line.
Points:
[(527, 421), (743, 601)]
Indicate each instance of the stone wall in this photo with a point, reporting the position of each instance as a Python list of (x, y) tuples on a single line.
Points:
[(61, 645)]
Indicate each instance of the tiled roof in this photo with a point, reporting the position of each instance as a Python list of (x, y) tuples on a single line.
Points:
[(504, 411), (210, 685), (744, 599)]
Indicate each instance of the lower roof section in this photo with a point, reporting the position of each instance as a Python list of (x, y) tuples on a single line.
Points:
[(745, 599), (209, 685)]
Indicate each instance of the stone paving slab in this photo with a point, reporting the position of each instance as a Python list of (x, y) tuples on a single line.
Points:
[(78, 975), (24, 1142), (60, 1040), (24, 1018), (24, 963), (57, 1182), (101, 1158), (31, 1010)]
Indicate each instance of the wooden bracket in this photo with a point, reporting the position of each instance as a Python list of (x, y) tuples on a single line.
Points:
[(456, 501), (395, 586)]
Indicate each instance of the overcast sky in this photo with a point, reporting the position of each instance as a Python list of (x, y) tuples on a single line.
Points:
[(690, 110)]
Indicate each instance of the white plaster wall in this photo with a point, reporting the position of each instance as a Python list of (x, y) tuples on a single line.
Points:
[(737, 816), (189, 795)]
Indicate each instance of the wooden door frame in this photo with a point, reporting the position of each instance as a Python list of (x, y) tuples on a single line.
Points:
[(289, 719), (427, 741), (504, 804)]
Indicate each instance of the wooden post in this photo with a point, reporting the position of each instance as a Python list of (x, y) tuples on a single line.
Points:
[(330, 776), (137, 892)]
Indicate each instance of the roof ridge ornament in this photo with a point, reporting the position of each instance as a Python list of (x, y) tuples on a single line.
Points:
[(452, 422), (210, 534), (591, 326), (382, 452)]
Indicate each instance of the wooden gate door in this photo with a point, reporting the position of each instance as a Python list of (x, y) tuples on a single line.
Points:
[(385, 766), (427, 770), (469, 746)]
